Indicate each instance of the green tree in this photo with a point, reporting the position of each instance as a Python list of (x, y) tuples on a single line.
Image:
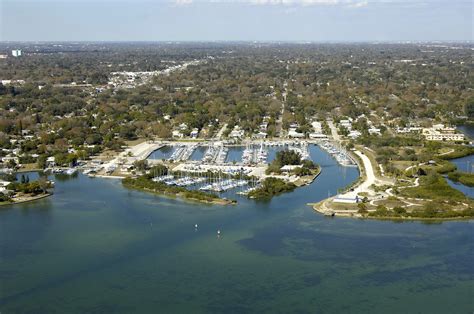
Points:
[(141, 165)]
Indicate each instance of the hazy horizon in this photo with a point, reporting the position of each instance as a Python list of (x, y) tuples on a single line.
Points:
[(315, 21), (401, 42)]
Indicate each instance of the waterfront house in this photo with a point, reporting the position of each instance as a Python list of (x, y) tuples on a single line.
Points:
[(50, 162)]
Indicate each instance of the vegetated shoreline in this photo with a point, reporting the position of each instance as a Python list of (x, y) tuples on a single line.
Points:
[(302, 181), (467, 151), (464, 178), (433, 219), (29, 199), (457, 176), (321, 208), (354, 215), (214, 201), (401, 218), (289, 186), (307, 180), (26, 170)]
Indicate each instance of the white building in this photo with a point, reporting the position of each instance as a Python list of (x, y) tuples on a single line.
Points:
[(261, 135), (293, 133), (409, 130), (290, 168), (347, 200), (183, 126), (50, 162), (177, 133), (236, 132), (354, 134), (346, 123), (194, 133), (317, 127), (16, 53), (375, 131), (318, 130), (317, 135), (441, 133)]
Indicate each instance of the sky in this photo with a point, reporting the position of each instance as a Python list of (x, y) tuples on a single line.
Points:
[(236, 20)]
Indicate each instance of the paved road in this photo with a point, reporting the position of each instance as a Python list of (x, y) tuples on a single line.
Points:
[(334, 133), (279, 123), (221, 131), (370, 177)]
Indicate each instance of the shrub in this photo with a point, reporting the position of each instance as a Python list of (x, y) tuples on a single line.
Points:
[(271, 187), (399, 210)]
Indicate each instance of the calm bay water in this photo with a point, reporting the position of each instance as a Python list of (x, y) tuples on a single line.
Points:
[(162, 153), (465, 164), (95, 247), (234, 154), (468, 130)]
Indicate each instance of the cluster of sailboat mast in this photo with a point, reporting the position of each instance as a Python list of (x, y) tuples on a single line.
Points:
[(235, 169), (217, 152), (208, 181)]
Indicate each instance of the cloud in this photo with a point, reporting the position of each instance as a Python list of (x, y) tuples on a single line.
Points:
[(183, 2), (359, 4), (346, 3), (294, 2)]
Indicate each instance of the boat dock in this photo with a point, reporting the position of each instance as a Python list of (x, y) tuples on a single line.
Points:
[(339, 153)]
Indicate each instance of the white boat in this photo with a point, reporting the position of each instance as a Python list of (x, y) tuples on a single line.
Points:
[(70, 171)]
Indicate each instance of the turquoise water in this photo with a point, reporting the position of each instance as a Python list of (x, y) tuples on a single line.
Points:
[(95, 247)]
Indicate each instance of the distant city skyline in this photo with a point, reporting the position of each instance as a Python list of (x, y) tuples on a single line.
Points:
[(236, 20)]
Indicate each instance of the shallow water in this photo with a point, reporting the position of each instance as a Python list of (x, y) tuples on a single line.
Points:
[(465, 164), (467, 190), (95, 247)]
